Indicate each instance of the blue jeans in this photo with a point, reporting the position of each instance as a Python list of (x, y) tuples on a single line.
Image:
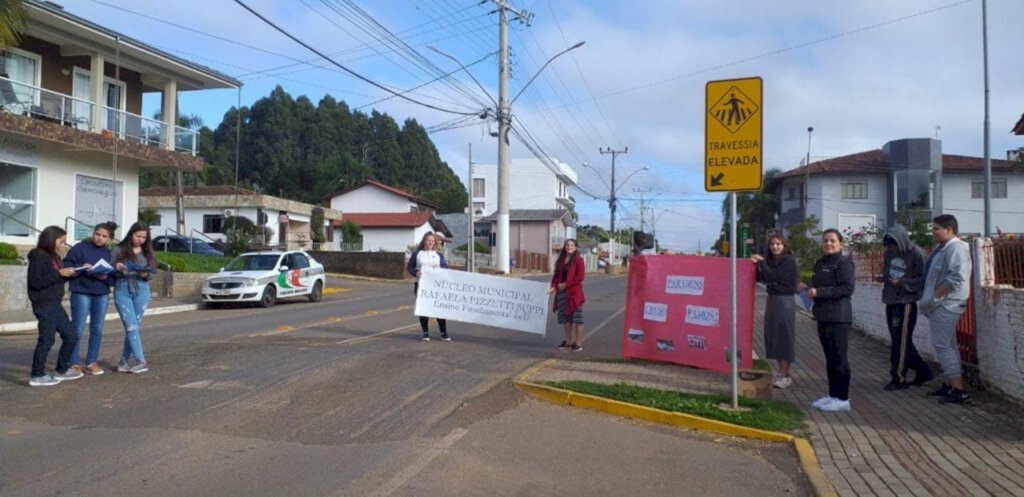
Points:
[(131, 308), (95, 308)]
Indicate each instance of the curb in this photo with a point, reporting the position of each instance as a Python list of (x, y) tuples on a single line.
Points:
[(805, 452), (156, 311)]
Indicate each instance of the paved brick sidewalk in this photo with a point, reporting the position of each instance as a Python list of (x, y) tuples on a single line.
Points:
[(902, 443)]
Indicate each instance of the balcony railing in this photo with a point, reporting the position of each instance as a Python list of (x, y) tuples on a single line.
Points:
[(27, 100), (149, 131)]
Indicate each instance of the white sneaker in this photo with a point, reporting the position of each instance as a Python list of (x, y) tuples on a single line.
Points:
[(822, 401), (782, 382), (836, 406)]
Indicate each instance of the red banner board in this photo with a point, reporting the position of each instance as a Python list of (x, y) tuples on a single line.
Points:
[(677, 310)]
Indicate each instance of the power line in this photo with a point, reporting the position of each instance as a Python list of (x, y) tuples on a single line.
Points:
[(342, 67), (775, 52)]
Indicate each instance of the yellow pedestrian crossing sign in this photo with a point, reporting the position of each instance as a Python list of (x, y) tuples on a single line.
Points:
[(733, 135)]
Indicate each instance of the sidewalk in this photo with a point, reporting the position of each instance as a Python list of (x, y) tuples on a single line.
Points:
[(902, 443), (24, 320), (892, 444)]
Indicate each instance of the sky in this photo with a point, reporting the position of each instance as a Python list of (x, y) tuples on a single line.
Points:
[(861, 73)]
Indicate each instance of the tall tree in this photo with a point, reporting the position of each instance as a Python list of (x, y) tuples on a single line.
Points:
[(13, 21)]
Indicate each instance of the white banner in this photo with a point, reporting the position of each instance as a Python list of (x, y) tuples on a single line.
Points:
[(483, 299)]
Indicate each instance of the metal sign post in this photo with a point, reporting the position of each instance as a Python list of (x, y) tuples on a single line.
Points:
[(732, 163)]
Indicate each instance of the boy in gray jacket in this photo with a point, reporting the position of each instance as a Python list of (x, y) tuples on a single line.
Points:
[(903, 277), (943, 299)]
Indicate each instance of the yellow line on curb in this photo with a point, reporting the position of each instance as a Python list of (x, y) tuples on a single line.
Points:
[(805, 453)]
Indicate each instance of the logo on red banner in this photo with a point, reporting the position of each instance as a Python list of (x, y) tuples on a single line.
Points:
[(677, 310)]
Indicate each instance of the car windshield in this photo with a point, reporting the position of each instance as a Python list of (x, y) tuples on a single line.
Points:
[(201, 245), (261, 262)]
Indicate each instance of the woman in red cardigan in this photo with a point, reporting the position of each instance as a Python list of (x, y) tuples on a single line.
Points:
[(567, 285)]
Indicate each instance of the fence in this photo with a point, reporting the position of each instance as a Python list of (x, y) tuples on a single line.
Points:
[(1008, 262), (531, 261), (868, 264), (458, 258)]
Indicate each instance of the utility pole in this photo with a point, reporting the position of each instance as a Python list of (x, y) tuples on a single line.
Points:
[(988, 154), (807, 174), (611, 201), (471, 243), (504, 121)]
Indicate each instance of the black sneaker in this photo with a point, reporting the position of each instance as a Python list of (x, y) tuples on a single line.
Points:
[(956, 396), (942, 391), (563, 346), (921, 379), (426, 337), (445, 337), (577, 348), (896, 385)]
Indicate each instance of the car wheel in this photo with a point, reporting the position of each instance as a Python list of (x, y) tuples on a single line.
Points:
[(269, 297), (318, 292)]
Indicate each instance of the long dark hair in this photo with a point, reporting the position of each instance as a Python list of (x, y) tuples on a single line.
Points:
[(47, 242), (786, 248), (564, 257), (126, 245)]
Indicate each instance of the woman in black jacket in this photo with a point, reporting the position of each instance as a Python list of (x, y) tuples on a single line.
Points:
[(779, 272), (46, 289), (832, 286)]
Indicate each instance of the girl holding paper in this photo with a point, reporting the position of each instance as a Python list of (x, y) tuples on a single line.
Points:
[(135, 264), (90, 292), (779, 272), (567, 285), (427, 255), (45, 290)]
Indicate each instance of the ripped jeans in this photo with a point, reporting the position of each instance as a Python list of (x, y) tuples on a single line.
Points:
[(131, 306)]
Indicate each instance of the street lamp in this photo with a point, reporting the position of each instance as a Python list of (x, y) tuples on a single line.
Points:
[(504, 122)]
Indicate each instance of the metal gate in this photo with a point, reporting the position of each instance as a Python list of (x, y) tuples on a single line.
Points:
[(966, 331)]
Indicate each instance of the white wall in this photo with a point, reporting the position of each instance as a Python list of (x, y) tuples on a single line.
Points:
[(869, 317), (1007, 213), (827, 199), (55, 182), (393, 239), (194, 220), (531, 185), (370, 198)]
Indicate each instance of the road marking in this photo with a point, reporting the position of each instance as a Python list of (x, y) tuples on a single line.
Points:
[(332, 291), (376, 335), (420, 463), (326, 321), (603, 323), (153, 311)]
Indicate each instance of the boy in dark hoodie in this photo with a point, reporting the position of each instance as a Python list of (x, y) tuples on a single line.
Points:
[(903, 279)]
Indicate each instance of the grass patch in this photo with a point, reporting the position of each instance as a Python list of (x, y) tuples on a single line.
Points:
[(10, 262), (765, 414), (762, 365), (192, 263)]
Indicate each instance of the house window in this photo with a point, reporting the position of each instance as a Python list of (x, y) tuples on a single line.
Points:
[(855, 190), (998, 188), (478, 207), (790, 193), (156, 220), (23, 68), (213, 223), (17, 199), (479, 187)]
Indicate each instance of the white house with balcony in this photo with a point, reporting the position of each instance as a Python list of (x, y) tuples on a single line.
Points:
[(72, 137), (534, 185), (909, 176)]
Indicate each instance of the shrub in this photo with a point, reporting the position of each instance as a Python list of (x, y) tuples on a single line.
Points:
[(8, 252), (478, 248), (192, 263)]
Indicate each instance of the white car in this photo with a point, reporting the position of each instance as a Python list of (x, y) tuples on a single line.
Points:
[(264, 277)]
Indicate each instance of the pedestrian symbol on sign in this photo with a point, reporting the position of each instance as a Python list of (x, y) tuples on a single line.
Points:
[(733, 110)]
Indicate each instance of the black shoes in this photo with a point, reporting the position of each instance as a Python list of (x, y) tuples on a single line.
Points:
[(942, 391), (563, 346), (956, 396), (896, 385)]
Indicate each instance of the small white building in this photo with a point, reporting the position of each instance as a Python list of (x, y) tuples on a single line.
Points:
[(206, 208), (395, 231), (73, 139), (374, 196), (880, 187)]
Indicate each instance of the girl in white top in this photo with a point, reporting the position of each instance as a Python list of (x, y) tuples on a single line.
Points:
[(426, 256)]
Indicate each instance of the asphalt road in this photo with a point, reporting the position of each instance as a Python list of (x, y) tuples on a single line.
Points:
[(342, 398)]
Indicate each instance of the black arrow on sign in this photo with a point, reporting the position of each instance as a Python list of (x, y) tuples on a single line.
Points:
[(717, 180)]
